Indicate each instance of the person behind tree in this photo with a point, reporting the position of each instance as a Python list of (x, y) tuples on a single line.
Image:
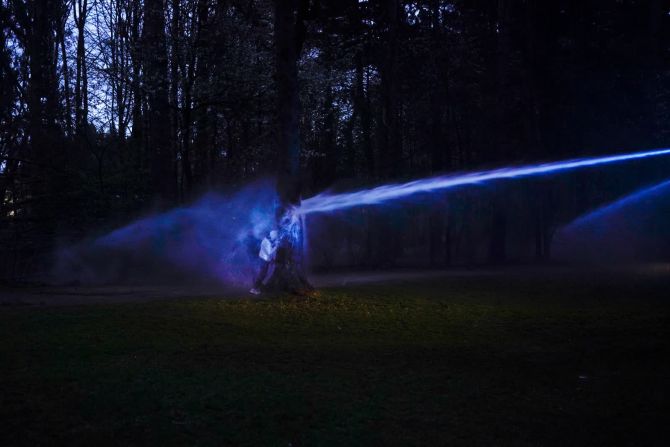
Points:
[(266, 255)]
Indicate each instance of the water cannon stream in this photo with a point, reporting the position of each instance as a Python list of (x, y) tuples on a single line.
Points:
[(326, 202)]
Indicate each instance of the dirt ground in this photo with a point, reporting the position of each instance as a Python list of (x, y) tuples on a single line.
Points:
[(60, 295)]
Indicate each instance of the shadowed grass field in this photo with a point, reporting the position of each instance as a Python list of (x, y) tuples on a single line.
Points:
[(471, 360)]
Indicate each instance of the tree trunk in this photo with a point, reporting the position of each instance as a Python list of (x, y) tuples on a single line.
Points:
[(390, 135), (188, 80), (504, 138), (390, 144), (498, 232), (41, 92), (80, 8), (437, 141), (138, 125), (44, 134), (288, 35), (156, 83), (328, 144), (362, 110), (174, 83), (66, 76), (122, 73)]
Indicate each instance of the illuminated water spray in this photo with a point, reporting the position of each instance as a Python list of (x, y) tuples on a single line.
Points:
[(594, 218), (634, 227), (330, 202), (211, 236)]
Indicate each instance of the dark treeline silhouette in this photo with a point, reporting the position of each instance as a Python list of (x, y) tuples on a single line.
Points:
[(113, 108)]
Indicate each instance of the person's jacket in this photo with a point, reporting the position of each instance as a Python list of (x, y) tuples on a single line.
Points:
[(267, 250)]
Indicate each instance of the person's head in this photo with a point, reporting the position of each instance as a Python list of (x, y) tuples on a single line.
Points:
[(273, 235)]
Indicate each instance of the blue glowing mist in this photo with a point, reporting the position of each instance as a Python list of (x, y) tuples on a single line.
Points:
[(208, 239), (634, 227), (330, 202)]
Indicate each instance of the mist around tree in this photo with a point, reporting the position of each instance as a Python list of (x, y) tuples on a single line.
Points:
[(114, 110)]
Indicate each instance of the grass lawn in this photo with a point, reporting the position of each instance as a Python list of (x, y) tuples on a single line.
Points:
[(469, 360)]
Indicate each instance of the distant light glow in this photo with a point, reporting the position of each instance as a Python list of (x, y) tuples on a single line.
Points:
[(330, 202)]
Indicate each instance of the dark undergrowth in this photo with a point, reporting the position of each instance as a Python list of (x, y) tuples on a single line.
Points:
[(460, 361)]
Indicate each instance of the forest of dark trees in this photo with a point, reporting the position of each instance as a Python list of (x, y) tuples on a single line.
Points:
[(110, 109)]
